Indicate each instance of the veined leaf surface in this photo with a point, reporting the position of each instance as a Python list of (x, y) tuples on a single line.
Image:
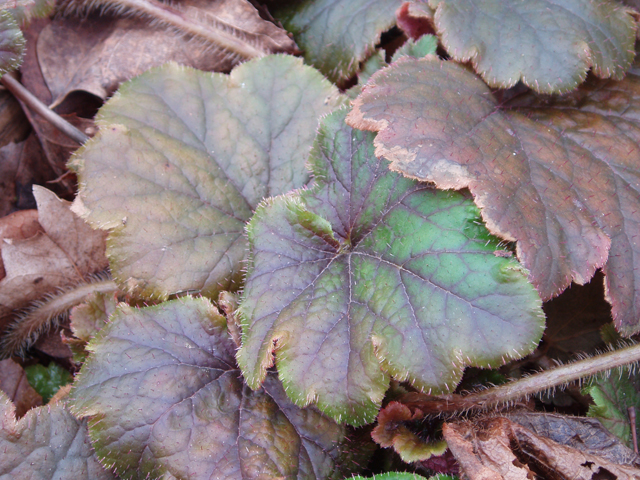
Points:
[(549, 45), (48, 443), (182, 159), (335, 35), (560, 176), (165, 397), (369, 275)]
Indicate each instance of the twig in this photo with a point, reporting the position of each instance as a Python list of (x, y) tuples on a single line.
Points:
[(512, 391), (632, 420), (17, 89)]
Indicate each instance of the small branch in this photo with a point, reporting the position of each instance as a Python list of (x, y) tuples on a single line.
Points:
[(220, 33), (17, 89), (512, 391)]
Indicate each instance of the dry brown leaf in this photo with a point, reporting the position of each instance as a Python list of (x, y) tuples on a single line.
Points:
[(496, 448), (65, 253), (13, 381), (18, 226), (97, 54)]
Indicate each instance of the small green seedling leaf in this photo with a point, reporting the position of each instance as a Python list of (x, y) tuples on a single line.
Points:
[(12, 43), (558, 175), (369, 275), (48, 443), (549, 45), (425, 45), (165, 397), (336, 35), (401, 476), (182, 159), (47, 380)]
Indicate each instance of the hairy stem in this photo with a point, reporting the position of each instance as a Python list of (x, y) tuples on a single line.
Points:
[(175, 18), (24, 331), (512, 391), (18, 90)]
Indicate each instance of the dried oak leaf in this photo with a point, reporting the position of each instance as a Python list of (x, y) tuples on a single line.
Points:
[(335, 36), (549, 45), (368, 275), (192, 154), (559, 176), (164, 396), (484, 450), (48, 443), (98, 53), (63, 254)]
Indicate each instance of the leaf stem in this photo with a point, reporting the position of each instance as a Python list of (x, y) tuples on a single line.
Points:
[(219, 36), (512, 391), (20, 92)]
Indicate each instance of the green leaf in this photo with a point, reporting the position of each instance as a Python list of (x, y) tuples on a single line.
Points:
[(335, 35), (399, 476), (369, 275), (549, 45), (183, 157), (48, 443), (47, 380), (559, 175), (12, 43), (612, 396), (425, 45), (164, 396)]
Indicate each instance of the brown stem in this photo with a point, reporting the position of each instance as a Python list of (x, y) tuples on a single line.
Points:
[(512, 391), (18, 90)]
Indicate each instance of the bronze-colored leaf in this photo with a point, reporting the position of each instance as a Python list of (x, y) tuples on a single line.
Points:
[(560, 176)]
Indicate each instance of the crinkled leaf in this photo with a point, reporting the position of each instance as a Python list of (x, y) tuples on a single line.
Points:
[(12, 43), (370, 275), (549, 45), (560, 177), (48, 443), (47, 380), (335, 35), (165, 397), (183, 157)]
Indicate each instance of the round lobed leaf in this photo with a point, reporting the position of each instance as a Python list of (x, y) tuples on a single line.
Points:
[(336, 35), (165, 397), (549, 45), (559, 175), (183, 157), (368, 275)]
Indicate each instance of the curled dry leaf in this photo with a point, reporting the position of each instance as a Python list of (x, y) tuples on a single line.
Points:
[(557, 175), (392, 431), (97, 54), (48, 443), (484, 450)]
